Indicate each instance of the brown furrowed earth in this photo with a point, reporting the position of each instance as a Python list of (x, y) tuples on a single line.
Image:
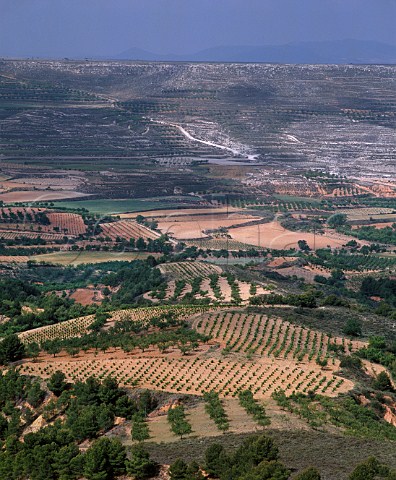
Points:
[(40, 196), (273, 235)]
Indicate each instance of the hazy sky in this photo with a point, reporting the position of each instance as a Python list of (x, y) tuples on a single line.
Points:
[(104, 27)]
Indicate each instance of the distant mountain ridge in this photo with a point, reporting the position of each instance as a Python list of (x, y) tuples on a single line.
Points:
[(338, 52)]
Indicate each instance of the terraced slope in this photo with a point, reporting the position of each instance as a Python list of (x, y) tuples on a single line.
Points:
[(264, 336), (189, 270)]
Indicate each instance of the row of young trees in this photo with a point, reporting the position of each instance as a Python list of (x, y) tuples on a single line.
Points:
[(254, 408), (215, 409), (178, 421), (128, 335), (23, 216)]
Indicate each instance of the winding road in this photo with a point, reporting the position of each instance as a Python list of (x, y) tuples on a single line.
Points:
[(205, 142)]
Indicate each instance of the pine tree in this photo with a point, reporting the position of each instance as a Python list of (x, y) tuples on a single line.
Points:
[(105, 460), (140, 429), (11, 349), (140, 465), (178, 470), (57, 383), (35, 395)]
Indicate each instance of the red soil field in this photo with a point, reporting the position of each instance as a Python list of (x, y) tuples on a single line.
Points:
[(127, 229), (69, 223)]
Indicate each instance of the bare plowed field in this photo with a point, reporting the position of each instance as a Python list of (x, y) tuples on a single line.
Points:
[(87, 296), (273, 235), (181, 211), (39, 196), (13, 259), (190, 227)]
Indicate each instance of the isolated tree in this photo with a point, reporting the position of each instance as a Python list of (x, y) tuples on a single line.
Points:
[(72, 351), (11, 349), (144, 344), (177, 419), (33, 350), (353, 327), (184, 347), (52, 348), (303, 245), (139, 431)]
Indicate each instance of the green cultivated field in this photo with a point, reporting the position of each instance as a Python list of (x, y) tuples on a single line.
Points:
[(291, 198), (106, 207)]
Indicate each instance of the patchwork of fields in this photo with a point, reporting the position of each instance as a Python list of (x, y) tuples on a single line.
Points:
[(208, 248)]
